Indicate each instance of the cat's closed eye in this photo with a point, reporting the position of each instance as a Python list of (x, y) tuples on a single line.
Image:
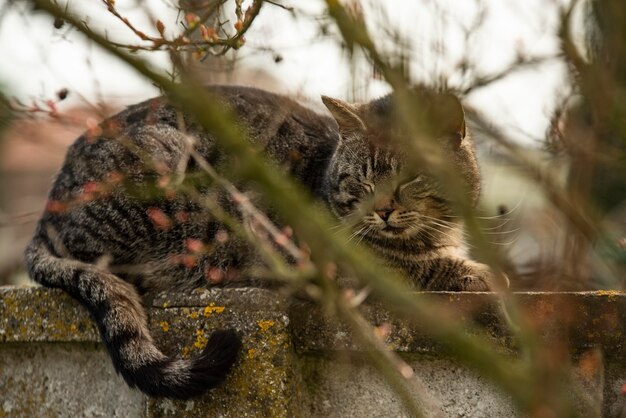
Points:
[(369, 187)]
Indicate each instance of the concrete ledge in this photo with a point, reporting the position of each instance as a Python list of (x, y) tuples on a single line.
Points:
[(32, 314), (296, 361)]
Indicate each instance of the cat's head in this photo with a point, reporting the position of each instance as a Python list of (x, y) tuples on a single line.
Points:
[(370, 179)]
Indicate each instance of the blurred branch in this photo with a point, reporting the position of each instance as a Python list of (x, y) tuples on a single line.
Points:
[(568, 46), (576, 208), (522, 63), (6, 113), (354, 32), (412, 390), (277, 4), (570, 207), (183, 42), (425, 150)]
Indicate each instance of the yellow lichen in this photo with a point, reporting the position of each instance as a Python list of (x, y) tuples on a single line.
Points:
[(265, 325), (213, 309), (193, 315), (201, 340), (166, 304), (251, 353), (185, 353), (165, 326), (612, 294)]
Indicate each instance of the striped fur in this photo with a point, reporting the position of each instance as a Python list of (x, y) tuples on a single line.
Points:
[(116, 307), (114, 230), (399, 210)]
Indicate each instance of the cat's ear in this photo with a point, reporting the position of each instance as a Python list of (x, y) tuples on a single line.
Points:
[(449, 116), (345, 114)]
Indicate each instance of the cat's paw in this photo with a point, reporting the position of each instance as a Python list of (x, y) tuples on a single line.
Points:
[(479, 279), (473, 283)]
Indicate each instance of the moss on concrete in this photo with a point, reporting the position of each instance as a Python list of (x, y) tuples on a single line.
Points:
[(263, 382), (37, 314), (295, 361)]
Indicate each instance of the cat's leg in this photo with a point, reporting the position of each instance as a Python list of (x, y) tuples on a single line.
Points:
[(459, 275), (116, 308)]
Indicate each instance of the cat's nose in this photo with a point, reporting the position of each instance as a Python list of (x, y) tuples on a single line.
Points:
[(384, 213)]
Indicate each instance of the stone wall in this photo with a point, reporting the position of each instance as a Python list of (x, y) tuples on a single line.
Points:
[(296, 362)]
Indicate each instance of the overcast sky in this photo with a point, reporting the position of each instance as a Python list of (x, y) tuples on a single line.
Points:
[(38, 59)]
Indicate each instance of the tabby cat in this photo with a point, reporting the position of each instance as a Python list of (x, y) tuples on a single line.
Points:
[(113, 229)]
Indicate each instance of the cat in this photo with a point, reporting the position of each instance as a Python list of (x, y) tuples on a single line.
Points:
[(114, 230), (410, 221)]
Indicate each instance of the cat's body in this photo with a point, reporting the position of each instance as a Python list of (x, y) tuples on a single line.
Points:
[(114, 229)]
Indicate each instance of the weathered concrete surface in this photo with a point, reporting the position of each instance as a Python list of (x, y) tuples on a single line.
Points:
[(30, 314), (614, 399), (296, 362), (348, 386), (263, 383), (63, 380), (591, 318)]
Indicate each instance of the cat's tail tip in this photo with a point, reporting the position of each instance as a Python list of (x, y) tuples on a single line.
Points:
[(189, 378), (217, 358)]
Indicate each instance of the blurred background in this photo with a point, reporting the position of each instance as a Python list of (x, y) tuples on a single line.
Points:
[(528, 102)]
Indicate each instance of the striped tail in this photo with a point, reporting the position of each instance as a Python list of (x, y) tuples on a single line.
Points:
[(116, 307)]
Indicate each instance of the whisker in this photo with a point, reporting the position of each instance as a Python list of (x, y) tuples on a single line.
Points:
[(443, 225), (449, 223), (435, 230), (506, 244), (519, 202), (484, 218), (364, 234), (506, 221), (487, 218), (512, 231), (428, 234), (357, 232), (506, 214)]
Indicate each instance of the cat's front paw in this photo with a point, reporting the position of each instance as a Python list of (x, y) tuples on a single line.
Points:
[(472, 283), (478, 279)]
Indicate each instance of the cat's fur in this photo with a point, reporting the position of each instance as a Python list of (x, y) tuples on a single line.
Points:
[(408, 218), (112, 230)]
